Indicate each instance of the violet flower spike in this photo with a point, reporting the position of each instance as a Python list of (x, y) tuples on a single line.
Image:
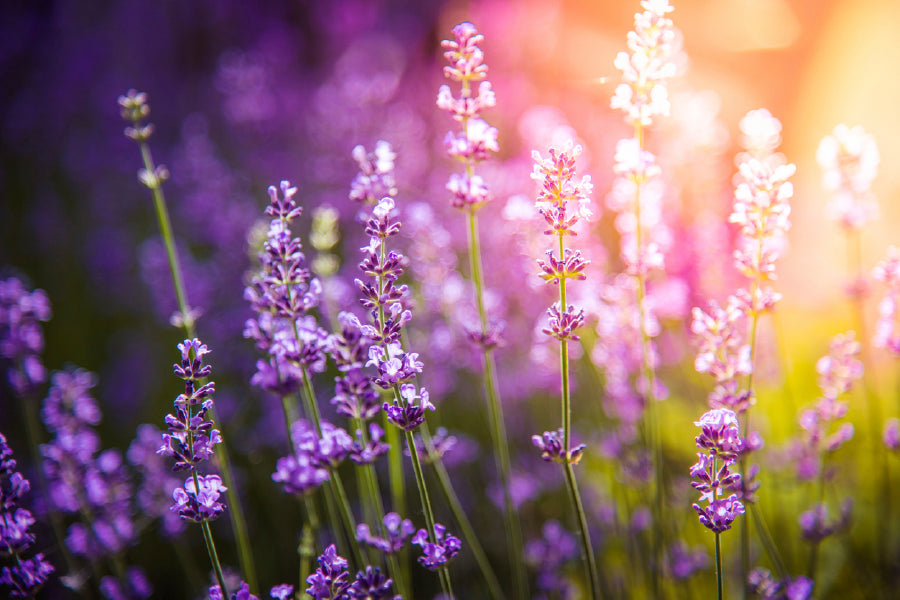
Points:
[(436, 554)]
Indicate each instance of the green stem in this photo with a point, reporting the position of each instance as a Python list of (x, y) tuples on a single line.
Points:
[(719, 576), (462, 520), (211, 549), (765, 536), (334, 483), (236, 514), (648, 377), (426, 504), (496, 420), (587, 551)]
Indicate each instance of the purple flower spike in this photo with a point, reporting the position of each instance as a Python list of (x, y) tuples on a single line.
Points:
[(298, 474), (330, 579), (436, 554), (199, 504), (411, 413), (720, 513), (371, 585), (364, 454), (562, 323), (21, 335), (398, 531), (27, 576), (285, 591), (722, 445), (552, 450)]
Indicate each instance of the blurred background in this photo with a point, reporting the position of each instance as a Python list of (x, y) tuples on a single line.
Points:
[(246, 94)]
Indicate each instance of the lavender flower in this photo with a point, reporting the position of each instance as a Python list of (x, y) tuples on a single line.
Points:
[(548, 554), (723, 353), (191, 438), (375, 179), (888, 272), (720, 440), (284, 591), (81, 479), (134, 587), (551, 446), (654, 44), (398, 531), (761, 583), (438, 553), (329, 582), (368, 451), (298, 474), (409, 412), (242, 593), (281, 293), (371, 584), (21, 337), (28, 575), (154, 495), (849, 159)]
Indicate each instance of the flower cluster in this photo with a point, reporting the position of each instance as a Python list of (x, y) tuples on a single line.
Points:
[(766, 587), (723, 353), (331, 581), (154, 495), (82, 479), (551, 446), (476, 138), (849, 159), (762, 210), (191, 438), (24, 578), (386, 303), (437, 553), (281, 293), (375, 179), (21, 337), (721, 447), (397, 529), (837, 373), (888, 273), (654, 45), (242, 593), (548, 554)]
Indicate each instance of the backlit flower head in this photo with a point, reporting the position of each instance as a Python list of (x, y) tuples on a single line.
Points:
[(849, 159)]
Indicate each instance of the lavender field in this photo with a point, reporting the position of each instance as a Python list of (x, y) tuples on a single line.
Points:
[(382, 299)]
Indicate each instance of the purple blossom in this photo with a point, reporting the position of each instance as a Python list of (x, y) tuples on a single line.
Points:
[(154, 494), (397, 529), (550, 443), (299, 474), (242, 593), (21, 335), (371, 584), (849, 159), (766, 587), (888, 272), (81, 478), (134, 587), (200, 501), (27, 576), (284, 591), (375, 179), (436, 554), (684, 562), (721, 444), (549, 554), (815, 524), (329, 582), (562, 323), (409, 412), (366, 451)]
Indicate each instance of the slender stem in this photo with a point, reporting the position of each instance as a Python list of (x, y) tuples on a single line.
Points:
[(648, 377), (213, 556), (236, 514), (765, 536), (426, 507), (719, 576), (334, 482), (462, 520), (495, 418), (587, 551)]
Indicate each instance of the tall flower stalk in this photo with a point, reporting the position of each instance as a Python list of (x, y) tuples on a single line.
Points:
[(387, 305), (562, 201), (721, 445), (471, 145), (191, 440), (134, 109), (654, 44)]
